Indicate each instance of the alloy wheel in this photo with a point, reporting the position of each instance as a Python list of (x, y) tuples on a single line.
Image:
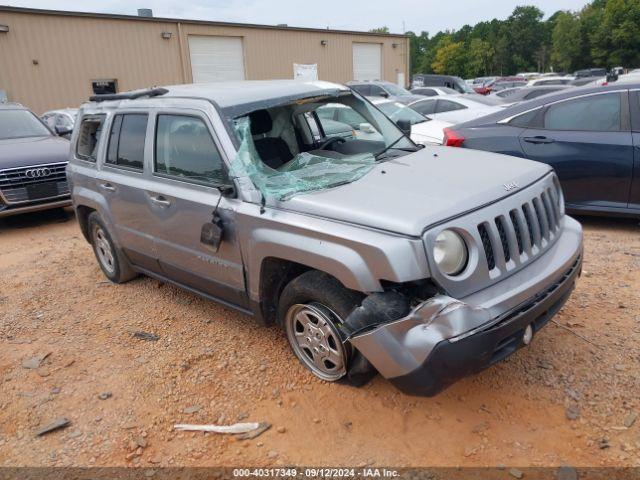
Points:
[(104, 250), (315, 340)]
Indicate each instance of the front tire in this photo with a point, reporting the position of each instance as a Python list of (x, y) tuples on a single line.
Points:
[(314, 338), (311, 309), (112, 262)]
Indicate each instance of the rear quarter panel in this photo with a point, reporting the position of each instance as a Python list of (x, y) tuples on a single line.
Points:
[(503, 139)]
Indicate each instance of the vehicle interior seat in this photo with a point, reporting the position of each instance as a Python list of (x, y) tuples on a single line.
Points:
[(274, 151)]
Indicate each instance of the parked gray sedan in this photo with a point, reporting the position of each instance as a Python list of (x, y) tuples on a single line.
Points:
[(424, 264), (32, 163)]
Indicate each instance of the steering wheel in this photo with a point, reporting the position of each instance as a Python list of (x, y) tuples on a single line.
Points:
[(330, 142)]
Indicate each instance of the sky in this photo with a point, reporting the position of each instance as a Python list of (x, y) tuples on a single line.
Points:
[(399, 15)]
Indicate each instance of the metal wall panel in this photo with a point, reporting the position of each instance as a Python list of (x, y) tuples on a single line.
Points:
[(48, 60)]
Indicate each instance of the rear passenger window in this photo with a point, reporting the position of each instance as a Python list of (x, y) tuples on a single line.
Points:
[(376, 91), (127, 139), (89, 137), (364, 90), (528, 119), (596, 113), (425, 108), (185, 150), (448, 106)]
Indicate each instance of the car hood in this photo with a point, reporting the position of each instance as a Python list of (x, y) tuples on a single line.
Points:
[(25, 152), (431, 131), (407, 99), (407, 194)]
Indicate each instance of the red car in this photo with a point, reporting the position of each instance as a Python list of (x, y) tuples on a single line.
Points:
[(500, 84)]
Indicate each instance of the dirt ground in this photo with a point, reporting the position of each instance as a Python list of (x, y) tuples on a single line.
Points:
[(570, 398)]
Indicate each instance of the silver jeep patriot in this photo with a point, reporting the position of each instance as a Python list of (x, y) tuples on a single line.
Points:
[(373, 253)]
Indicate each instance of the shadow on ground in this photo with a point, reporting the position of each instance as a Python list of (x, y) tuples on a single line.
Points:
[(37, 219)]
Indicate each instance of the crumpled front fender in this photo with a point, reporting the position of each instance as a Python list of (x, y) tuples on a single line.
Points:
[(403, 345)]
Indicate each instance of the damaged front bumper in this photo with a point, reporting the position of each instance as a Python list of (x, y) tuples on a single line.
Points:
[(444, 339)]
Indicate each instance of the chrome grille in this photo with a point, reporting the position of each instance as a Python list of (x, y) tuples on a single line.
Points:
[(16, 186), (526, 231)]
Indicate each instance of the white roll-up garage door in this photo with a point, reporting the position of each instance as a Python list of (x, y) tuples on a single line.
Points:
[(216, 59), (367, 61)]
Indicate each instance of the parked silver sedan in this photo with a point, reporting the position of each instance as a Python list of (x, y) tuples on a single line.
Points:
[(452, 108)]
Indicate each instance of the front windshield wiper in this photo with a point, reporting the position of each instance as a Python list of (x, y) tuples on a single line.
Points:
[(391, 145)]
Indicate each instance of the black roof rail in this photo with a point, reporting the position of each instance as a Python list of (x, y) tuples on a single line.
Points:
[(150, 92)]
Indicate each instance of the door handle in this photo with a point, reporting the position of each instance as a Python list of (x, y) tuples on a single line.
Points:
[(108, 187), (538, 139), (160, 200)]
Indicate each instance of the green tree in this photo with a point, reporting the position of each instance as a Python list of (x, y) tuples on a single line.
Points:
[(523, 28), (480, 55), (605, 33), (450, 58), (384, 29), (418, 50), (566, 42), (616, 39)]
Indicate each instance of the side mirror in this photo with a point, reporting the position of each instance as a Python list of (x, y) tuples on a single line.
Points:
[(62, 131), (384, 94), (404, 125), (367, 128), (212, 233)]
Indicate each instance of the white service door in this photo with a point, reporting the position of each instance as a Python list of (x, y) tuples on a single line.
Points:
[(216, 59), (367, 61)]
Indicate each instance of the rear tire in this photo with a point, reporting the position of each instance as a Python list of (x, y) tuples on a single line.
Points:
[(311, 309), (111, 260)]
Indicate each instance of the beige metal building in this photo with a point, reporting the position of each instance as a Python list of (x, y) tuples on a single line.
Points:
[(53, 59)]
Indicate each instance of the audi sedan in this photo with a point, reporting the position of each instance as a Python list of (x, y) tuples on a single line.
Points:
[(32, 163)]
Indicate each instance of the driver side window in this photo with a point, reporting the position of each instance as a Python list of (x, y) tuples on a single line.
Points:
[(185, 150)]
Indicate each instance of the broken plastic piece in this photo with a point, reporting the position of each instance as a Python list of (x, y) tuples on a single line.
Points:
[(304, 173), (376, 309), (57, 424), (231, 429), (263, 427)]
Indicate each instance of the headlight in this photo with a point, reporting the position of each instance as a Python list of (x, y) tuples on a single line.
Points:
[(450, 252)]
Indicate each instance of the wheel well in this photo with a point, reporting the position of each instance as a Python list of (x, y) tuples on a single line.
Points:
[(82, 213), (275, 274)]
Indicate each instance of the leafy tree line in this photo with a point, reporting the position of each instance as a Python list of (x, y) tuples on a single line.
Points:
[(605, 33)]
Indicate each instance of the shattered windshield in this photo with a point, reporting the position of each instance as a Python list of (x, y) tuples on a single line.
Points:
[(313, 144)]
